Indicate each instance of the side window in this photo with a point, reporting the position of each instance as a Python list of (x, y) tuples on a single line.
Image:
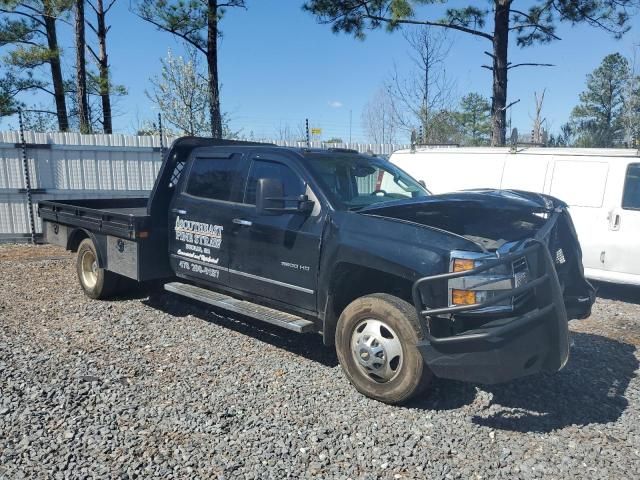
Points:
[(293, 185), (213, 177), (379, 180), (631, 195), (588, 191)]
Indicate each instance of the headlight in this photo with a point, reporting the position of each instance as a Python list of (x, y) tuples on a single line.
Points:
[(482, 287)]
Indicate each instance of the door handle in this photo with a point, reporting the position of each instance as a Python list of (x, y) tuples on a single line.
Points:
[(240, 221), (614, 221), (179, 211)]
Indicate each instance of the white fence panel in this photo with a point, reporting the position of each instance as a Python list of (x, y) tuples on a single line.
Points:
[(71, 165)]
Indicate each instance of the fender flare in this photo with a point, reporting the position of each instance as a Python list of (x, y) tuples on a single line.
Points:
[(78, 234)]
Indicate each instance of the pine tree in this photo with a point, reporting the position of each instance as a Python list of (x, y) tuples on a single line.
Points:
[(599, 118), (197, 23), (103, 80), (82, 98), (475, 119), (533, 25), (30, 27)]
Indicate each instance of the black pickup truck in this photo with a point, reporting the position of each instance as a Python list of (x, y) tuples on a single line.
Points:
[(476, 286)]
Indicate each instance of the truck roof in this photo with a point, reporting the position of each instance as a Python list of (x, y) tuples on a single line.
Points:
[(189, 143)]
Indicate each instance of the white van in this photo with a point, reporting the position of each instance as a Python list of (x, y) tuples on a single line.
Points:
[(601, 187)]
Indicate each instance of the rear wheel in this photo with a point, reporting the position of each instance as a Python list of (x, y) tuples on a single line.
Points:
[(96, 282), (376, 340)]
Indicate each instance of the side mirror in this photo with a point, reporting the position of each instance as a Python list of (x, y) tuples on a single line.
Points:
[(270, 199), (269, 196), (421, 182)]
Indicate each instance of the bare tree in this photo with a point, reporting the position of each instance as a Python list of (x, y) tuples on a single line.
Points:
[(535, 24), (631, 116), (418, 97), (537, 133), (378, 118), (197, 23), (181, 94), (284, 133)]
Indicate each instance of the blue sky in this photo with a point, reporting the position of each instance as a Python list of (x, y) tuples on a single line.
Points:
[(278, 66)]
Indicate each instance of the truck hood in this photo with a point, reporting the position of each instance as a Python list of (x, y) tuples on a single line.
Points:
[(485, 198), (489, 218)]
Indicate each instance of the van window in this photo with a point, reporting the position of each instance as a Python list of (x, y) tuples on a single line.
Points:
[(292, 184), (213, 177), (580, 183), (522, 172), (631, 195)]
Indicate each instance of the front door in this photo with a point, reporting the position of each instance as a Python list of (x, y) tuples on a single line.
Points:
[(621, 254), (201, 216), (277, 255)]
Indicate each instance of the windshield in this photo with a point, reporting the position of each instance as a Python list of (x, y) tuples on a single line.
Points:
[(355, 182)]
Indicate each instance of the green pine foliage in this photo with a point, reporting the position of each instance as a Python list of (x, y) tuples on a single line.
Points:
[(608, 105)]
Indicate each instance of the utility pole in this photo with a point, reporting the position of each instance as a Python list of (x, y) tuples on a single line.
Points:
[(350, 112), (306, 126)]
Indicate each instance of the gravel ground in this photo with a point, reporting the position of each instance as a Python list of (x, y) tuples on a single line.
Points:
[(156, 387)]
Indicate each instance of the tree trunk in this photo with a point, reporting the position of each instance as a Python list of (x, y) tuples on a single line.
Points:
[(500, 59), (103, 69), (81, 70), (56, 72), (212, 64)]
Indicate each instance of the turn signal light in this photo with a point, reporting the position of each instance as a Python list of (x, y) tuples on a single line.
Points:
[(463, 297), (463, 264)]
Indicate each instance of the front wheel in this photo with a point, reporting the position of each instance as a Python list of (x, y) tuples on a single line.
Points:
[(376, 340), (96, 282)]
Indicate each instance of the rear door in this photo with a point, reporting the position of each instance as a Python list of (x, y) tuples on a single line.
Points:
[(582, 184), (201, 215), (622, 250), (277, 255)]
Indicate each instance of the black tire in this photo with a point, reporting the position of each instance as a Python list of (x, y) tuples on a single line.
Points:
[(100, 283), (412, 375)]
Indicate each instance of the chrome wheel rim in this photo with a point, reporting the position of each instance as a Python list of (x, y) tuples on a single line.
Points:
[(376, 350), (89, 267)]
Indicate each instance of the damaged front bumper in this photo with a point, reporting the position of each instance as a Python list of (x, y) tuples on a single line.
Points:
[(502, 349)]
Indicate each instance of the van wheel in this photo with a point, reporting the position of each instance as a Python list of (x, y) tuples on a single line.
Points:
[(96, 282), (376, 340)]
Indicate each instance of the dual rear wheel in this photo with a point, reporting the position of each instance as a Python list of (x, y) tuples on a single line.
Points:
[(96, 282)]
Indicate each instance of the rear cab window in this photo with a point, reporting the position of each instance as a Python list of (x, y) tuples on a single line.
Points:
[(631, 193)]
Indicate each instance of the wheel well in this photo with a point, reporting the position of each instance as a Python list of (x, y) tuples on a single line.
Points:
[(350, 281), (76, 237)]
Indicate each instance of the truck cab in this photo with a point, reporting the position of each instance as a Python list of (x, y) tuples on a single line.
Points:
[(475, 286)]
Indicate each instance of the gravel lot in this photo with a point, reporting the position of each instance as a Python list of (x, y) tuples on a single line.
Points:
[(156, 387)]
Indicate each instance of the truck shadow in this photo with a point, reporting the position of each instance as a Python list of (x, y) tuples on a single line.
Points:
[(590, 389), (622, 293), (308, 345)]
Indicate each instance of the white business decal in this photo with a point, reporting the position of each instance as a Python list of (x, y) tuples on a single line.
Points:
[(199, 238), (194, 267)]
